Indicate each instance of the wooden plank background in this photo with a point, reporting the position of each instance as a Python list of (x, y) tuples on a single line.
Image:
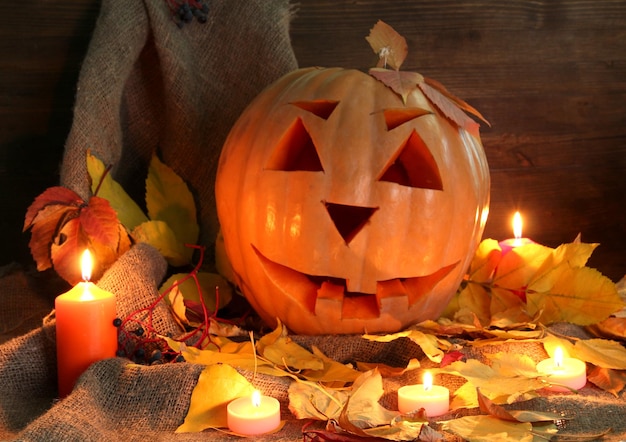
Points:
[(549, 75)]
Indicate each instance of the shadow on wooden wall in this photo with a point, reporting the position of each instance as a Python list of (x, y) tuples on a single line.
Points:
[(549, 75)]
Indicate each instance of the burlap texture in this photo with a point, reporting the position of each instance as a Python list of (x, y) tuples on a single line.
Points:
[(147, 85)]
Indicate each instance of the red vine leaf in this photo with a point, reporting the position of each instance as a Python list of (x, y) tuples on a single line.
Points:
[(63, 225), (390, 46)]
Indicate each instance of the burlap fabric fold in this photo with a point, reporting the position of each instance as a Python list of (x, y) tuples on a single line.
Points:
[(148, 86)]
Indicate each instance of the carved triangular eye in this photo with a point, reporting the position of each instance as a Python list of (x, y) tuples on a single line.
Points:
[(321, 108), (349, 220), (414, 166), (399, 116), (295, 151)]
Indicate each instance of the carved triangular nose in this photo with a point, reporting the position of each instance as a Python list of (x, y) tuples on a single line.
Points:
[(349, 220)]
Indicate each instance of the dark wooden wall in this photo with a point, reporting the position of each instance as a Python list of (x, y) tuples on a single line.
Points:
[(550, 75)]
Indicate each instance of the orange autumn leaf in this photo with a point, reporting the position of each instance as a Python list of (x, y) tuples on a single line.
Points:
[(392, 50), (608, 379), (63, 225)]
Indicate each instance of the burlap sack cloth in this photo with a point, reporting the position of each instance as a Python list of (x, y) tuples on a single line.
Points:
[(147, 85)]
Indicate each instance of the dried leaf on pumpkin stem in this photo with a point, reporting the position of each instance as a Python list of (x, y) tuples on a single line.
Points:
[(390, 46)]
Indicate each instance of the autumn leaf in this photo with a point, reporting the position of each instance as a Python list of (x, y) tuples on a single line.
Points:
[(45, 217), (63, 225), (497, 383), (608, 379), (488, 428), (168, 199), (217, 386), (309, 401), (392, 50), (364, 416), (431, 345), (601, 352), (401, 82), (579, 295), (390, 46), (103, 185)]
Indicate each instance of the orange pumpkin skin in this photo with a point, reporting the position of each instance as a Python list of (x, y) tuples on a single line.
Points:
[(344, 210)]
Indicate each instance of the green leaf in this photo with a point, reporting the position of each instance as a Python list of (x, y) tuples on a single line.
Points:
[(159, 235), (168, 199), (217, 386), (128, 212)]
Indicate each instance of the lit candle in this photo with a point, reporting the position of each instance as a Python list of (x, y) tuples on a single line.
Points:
[(84, 328), (563, 373), (434, 399), (518, 240), (254, 414)]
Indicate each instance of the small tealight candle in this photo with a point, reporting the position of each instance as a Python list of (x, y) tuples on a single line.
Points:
[(564, 374), (518, 240), (434, 399), (255, 414), (84, 328)]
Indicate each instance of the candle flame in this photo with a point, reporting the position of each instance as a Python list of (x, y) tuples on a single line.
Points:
[(558, 357), (517, 225), (86, 265), (256, 398), (428, 381)]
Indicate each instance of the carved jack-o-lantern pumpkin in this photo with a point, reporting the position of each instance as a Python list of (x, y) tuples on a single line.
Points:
[(344, 209)]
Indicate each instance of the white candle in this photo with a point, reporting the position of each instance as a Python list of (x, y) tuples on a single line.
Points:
[(563, 373), (518, 240), (254, 414), (434, 399)]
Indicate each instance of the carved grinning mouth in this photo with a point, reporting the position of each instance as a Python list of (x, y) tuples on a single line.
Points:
[(313, 291)]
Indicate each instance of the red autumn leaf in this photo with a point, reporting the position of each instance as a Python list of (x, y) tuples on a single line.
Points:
[(44, 228), (52, 196), (63, 225), (99, 222), (451, 357)]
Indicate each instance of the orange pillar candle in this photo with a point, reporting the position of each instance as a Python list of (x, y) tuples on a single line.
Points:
[(84, 328)]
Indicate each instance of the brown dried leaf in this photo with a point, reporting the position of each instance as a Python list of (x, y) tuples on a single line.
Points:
[(487, 406), (402, 83), (610, 380), (390, 46), (53, 196)]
